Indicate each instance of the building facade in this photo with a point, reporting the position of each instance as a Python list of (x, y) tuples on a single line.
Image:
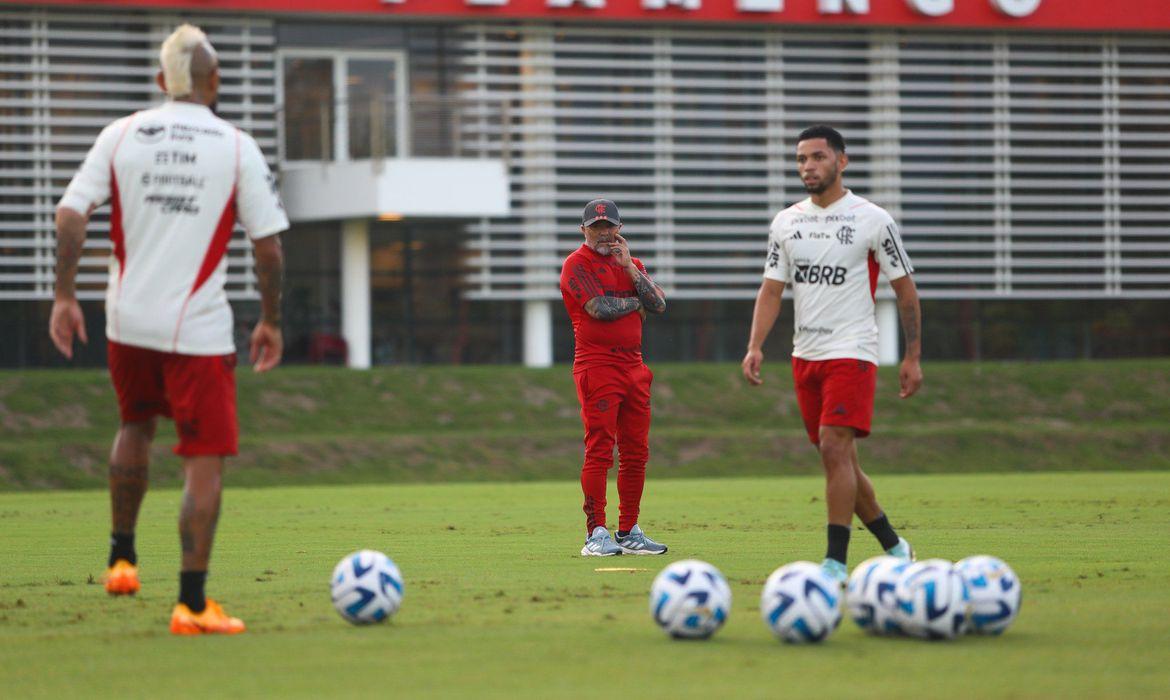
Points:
[(435, 155)]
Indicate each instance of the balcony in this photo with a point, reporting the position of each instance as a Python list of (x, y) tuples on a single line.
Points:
[(392, 158)]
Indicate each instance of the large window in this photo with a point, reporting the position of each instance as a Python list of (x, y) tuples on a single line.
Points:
[(309, 105), (343, 105)]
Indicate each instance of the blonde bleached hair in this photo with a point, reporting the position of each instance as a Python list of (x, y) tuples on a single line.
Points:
[(175, 58)]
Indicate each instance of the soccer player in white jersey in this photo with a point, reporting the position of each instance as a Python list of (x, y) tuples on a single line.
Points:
[(830, 248), (178, 178)]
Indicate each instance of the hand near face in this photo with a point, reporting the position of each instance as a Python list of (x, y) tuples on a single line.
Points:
[(620, 251)]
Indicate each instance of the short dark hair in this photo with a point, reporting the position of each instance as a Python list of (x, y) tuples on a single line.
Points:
[(821, 131)]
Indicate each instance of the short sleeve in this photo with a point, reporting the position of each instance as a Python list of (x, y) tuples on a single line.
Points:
[(638, 264), (90, 186), (579, 282), (257, 198), (886, 245), (776, 266)]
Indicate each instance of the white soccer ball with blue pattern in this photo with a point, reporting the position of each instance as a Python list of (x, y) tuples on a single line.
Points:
[(932, 600), (869, 596), (690, 599), (367, 587), (995, 593), (801, 603)]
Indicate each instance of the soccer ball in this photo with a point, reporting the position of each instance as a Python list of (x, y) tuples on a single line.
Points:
[(690, 599), (995, 593), (932, 600), (367, 587), (801, 603), (870, 594)]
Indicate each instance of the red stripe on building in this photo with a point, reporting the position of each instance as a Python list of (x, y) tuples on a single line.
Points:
[(1091, 15)]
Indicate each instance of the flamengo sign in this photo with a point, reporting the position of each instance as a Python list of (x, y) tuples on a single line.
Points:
[(1061, 15), (930, 8)]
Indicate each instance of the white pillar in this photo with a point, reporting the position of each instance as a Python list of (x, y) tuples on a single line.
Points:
[(888, 332), (538, 351), (355, 290)]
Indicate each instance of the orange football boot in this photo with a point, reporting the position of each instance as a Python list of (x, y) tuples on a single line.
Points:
[(213, 620), (122, 578)]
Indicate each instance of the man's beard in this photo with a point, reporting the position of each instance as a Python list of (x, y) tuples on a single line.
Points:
[(822, 185), (602, 248)]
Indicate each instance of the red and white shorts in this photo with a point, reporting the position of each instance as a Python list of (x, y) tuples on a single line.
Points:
[(197, 391), (835, 392)]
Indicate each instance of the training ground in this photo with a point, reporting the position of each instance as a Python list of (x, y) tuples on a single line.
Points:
[(1011, 460)]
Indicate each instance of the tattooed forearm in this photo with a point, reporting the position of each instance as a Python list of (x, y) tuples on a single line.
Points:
[(270, 278), (70, 242), (611, 308), (651, 295), (908, 312)]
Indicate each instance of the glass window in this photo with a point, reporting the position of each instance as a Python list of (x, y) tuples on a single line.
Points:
[(308, 108), (373, 87)]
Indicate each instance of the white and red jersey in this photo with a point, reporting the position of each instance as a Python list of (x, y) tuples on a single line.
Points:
[(831, 257), (177, 178)]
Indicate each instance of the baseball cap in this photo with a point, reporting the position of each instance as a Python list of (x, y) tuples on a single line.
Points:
[(601, 209)]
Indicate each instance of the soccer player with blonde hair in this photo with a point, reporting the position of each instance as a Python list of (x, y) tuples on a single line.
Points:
[(178, 178)]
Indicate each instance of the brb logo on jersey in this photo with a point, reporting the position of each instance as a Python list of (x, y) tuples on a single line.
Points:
[(821, 274)]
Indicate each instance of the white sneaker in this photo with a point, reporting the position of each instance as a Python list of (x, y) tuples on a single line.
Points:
[(902, 550), (600, 544), (636, 542), (835, 570)]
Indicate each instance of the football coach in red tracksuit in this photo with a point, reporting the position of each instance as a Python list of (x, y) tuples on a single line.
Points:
[(608, 294)]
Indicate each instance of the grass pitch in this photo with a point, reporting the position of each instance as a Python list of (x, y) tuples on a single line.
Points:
[(499, 604), (326, 425)]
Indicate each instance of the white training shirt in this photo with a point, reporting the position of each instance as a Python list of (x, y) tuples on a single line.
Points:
[(830, 257), (177, 177)]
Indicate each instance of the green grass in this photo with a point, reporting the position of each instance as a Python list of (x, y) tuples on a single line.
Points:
[(498, 604), (303, 425)]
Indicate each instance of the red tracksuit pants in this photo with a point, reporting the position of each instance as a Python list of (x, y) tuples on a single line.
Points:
[(615, 409)]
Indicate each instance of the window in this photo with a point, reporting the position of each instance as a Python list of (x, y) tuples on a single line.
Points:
[(341, 106)]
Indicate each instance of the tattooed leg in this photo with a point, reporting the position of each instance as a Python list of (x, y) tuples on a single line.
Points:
[(129, 472), (200, 512)]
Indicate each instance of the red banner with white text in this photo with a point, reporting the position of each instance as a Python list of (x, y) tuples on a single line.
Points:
[(1127, 15)]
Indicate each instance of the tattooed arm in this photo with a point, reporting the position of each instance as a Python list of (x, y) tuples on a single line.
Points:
[(267, 341), (66, 319), (650, 294), (909, 312), (605, 308)]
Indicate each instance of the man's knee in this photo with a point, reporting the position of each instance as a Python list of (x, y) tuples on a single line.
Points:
[(139, 431), (836, 446)]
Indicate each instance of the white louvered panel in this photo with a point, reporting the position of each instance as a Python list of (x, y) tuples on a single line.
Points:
[(1019, 165), (1142, 159), (63, 77)]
